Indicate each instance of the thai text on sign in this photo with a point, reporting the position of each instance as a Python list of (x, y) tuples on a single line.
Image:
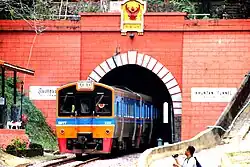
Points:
[(132, 16), (42, 92)]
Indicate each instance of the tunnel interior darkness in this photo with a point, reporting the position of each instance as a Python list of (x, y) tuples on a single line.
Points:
[(142, 80)]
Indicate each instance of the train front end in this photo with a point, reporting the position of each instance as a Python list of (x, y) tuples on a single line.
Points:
[(85, 118)]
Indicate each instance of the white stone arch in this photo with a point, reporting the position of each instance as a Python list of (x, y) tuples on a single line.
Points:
[(146, 61)]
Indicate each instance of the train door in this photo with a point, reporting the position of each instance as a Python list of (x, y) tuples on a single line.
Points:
[(140, 111), (84, 119), (151, 124)]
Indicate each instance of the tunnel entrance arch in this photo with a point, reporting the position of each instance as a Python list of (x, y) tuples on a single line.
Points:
[(144, 74)]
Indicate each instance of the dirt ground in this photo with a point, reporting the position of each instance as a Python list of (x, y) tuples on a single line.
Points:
[(8, 160)]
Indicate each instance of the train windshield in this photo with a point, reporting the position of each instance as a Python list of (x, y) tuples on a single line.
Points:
[(95, 103)]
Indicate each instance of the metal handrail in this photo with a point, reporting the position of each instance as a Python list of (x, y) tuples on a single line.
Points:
[(217, 127), (198, 15), (231, 126)]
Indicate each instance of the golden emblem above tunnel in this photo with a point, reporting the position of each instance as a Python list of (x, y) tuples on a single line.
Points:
[(132, 16)]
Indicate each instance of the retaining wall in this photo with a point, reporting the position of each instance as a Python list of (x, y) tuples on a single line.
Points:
[(205, 139)]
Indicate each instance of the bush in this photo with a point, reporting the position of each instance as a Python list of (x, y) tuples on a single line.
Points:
[(35, 146), (18, 148), (16, 144), (36, 128)]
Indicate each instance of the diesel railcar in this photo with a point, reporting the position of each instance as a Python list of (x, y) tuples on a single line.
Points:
[(97, 118)]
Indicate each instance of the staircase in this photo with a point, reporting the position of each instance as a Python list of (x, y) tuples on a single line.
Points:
[(240, 125)]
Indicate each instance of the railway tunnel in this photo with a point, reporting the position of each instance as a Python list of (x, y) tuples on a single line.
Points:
[(142, 80)]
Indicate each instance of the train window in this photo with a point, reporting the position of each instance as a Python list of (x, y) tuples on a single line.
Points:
[(142, 110), (132, 111), (137, 111), (126, 110), (155, 113), (151, 112), (103, 105), (122, 109), (148, 112), (67, 106), (85, 105), (117, 108)]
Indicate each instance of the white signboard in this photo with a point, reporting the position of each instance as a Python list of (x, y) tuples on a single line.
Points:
[(42, 92), (165, 112), (212, 94), (115, 6)]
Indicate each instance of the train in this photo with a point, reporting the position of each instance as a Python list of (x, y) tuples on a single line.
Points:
[(95, 118)]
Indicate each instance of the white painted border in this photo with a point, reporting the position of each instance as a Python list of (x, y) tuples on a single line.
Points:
[(146, 61)]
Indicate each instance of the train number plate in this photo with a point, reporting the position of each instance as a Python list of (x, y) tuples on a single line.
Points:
[(107, 123), (85, 85)]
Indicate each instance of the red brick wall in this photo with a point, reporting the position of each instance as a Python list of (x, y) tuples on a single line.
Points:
[(7, 135), (166, 47), (211, 59), (199, 53), (55, 58)]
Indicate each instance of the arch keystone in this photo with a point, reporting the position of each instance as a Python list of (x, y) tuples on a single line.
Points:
[(132, 57)]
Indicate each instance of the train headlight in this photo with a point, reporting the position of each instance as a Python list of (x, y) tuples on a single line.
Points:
[(62, 131), (107, 131)]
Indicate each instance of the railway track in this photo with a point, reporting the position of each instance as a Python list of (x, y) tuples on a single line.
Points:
[(68, 162)]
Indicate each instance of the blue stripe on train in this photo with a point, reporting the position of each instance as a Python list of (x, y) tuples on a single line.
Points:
[(91, 121), (85, 121)]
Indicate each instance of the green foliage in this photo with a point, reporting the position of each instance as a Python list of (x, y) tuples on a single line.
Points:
[(183, 6), (26, 9), (159, 6), (44, 9), (37, 129), (171, 6), (49, 9), (16, 144), (35, 146), (13, 9), (74, 8)]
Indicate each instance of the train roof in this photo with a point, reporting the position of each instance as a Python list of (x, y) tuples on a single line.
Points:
[(132, 93)]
